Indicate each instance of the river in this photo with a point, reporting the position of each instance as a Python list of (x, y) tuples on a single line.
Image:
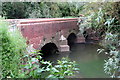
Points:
[(89, 61)]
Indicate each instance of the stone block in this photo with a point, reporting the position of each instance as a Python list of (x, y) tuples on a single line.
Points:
[(63, 42), (80, 39), (64, 48)]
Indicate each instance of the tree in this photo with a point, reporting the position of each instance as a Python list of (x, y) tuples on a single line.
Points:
[(14, 10)]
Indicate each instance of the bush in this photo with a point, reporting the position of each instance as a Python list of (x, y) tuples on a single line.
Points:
[(12, 47), (111, 44), (13, 10), (110, 9)]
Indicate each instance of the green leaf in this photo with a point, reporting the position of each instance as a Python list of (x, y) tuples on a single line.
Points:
[(58, 66), (76, 69), (55, 70), (39, 70), (51, 76), (34, 60), (27, 66)]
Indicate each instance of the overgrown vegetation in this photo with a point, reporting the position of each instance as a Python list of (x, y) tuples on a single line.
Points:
[(35, 67), (13, 46), (111, 44), (104, 19)]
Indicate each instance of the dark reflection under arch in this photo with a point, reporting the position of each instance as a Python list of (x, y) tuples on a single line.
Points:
[(71, 39), (49, 49)]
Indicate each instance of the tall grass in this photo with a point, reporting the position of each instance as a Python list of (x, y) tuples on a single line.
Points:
[(12, 46)]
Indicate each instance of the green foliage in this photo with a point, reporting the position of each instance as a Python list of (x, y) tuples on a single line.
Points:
[(104, 19), (100, 23), (35, 67), (12, 46), (63, 69), (111, 44), (108, 9), (40, 9), (14, 10), (113, 9), (95, 21), (99, 20)]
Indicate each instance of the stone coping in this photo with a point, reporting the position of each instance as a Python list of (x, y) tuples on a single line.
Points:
[(39, 20)]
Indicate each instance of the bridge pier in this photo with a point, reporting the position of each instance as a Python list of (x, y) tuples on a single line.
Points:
[(80, 39), (63, 46)]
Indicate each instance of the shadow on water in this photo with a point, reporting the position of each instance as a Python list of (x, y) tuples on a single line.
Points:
[(48, 49), (89, 62), (71, 39)]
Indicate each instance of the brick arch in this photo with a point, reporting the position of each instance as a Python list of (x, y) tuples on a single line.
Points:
[(49, 48), (72, 38), (47, 40)]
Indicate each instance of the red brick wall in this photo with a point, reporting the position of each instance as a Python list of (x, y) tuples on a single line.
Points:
[(34, 30)]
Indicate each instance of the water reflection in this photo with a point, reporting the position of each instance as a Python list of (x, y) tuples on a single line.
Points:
[(90, 63)]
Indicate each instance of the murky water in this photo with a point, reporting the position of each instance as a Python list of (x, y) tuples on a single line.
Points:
[(90, 63)]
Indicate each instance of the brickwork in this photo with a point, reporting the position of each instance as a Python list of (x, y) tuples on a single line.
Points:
[(42, 31)]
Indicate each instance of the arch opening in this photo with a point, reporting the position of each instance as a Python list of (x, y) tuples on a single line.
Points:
[(49, 49), (85, 34), (72, 38)]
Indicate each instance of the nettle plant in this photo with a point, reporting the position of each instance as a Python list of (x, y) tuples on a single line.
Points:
[(64, 68), (33, 66)]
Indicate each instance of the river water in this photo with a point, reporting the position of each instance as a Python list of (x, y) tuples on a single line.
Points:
[(89, 62)]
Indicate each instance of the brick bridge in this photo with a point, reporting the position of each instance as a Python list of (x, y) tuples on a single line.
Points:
[(59, 32)]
